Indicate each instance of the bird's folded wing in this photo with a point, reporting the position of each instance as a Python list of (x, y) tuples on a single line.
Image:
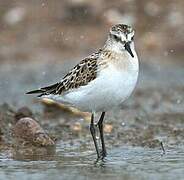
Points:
[(80, 75)]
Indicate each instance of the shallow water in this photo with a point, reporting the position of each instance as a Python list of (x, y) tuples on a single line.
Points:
[(121, 163)]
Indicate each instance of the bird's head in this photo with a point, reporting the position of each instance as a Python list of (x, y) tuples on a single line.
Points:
[(122, 36)]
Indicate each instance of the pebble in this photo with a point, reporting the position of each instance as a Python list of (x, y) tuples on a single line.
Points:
[(28, 131), (76, 127), (108, 128)]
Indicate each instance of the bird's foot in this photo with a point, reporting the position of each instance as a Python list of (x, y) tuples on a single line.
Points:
[(103, 154)]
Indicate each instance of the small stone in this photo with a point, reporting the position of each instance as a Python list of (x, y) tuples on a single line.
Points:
[(76, 127), (28, 131), (108, 128)]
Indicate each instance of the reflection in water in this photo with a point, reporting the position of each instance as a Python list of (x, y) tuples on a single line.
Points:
[(31, 153), (121, 163)]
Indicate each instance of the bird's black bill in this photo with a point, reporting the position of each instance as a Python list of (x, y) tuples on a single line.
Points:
[(127, 47)]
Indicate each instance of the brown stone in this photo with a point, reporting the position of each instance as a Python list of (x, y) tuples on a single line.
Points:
[(28, 131)]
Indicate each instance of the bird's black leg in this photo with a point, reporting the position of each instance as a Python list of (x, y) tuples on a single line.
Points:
[(93, 133), (100, 126), (163, 149)]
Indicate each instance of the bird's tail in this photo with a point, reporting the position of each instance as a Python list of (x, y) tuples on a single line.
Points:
[(38, 91), (44, 90), (35, 91)]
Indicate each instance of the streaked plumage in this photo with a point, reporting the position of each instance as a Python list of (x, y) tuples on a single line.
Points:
[(80, 75)]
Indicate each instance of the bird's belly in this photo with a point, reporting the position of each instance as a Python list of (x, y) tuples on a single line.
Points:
[(105, 92)]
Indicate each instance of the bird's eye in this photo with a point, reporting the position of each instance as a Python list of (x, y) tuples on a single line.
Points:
[(132, 38), (116, 37)]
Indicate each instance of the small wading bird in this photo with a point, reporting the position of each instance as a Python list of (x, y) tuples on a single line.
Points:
[(101, 81)]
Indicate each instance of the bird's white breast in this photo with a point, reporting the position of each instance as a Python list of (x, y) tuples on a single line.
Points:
[(112, 86)]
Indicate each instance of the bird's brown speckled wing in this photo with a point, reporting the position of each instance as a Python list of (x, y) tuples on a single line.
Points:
[(80, 75)]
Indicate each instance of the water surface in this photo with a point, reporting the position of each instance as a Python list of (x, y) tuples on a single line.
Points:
[(121, 163)]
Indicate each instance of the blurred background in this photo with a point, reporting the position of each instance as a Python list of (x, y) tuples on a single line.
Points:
[(68, 28)]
